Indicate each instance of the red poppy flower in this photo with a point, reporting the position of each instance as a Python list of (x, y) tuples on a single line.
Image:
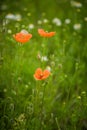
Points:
[(45, 34), (40, 75), (22, 37)]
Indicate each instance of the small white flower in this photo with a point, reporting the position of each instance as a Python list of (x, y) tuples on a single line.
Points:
[(76, 4), (16, 17), (67, 21), (85, 18), (44, 58), (9, 31), (31, 26), (57, 21), (77, 26), (5, 90), (24, 31), (48, 68), (45, 20), (39, 22), (10, 16)]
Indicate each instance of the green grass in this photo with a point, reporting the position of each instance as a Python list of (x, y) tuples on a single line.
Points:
[(60, 101)]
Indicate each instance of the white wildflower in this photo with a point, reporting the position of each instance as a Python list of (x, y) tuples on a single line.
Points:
[(16, 17), (85, 18), (39, 22), (31, 26), (57, 21), (24, 31), (77, 26), (5, 90), (10, 16), (45, 20), (44, 58), (67, 21), (76, 4), (9, 31), (48, 68)]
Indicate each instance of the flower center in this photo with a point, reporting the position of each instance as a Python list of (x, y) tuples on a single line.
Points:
[(41, 75)]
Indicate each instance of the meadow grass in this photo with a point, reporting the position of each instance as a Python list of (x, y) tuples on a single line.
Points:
[(60, 101)]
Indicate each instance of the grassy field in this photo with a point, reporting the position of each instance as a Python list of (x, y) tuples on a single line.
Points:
[(58, 102)]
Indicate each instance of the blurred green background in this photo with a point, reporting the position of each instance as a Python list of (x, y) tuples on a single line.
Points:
[(66, 89)]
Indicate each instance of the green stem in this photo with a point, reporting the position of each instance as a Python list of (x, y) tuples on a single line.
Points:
[(36, 105), (42, 108), (57, 123)]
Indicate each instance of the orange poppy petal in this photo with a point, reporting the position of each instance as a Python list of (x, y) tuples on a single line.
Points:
[(28, 36), (40, 30), (51, 34), (45, 34), (22, 37), (37, 77), (46, 73), (38, 71), (38, 74)]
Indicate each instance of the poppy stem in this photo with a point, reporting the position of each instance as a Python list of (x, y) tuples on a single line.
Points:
[(44, 45), (44, 50), (42, 110), (36, 105)]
